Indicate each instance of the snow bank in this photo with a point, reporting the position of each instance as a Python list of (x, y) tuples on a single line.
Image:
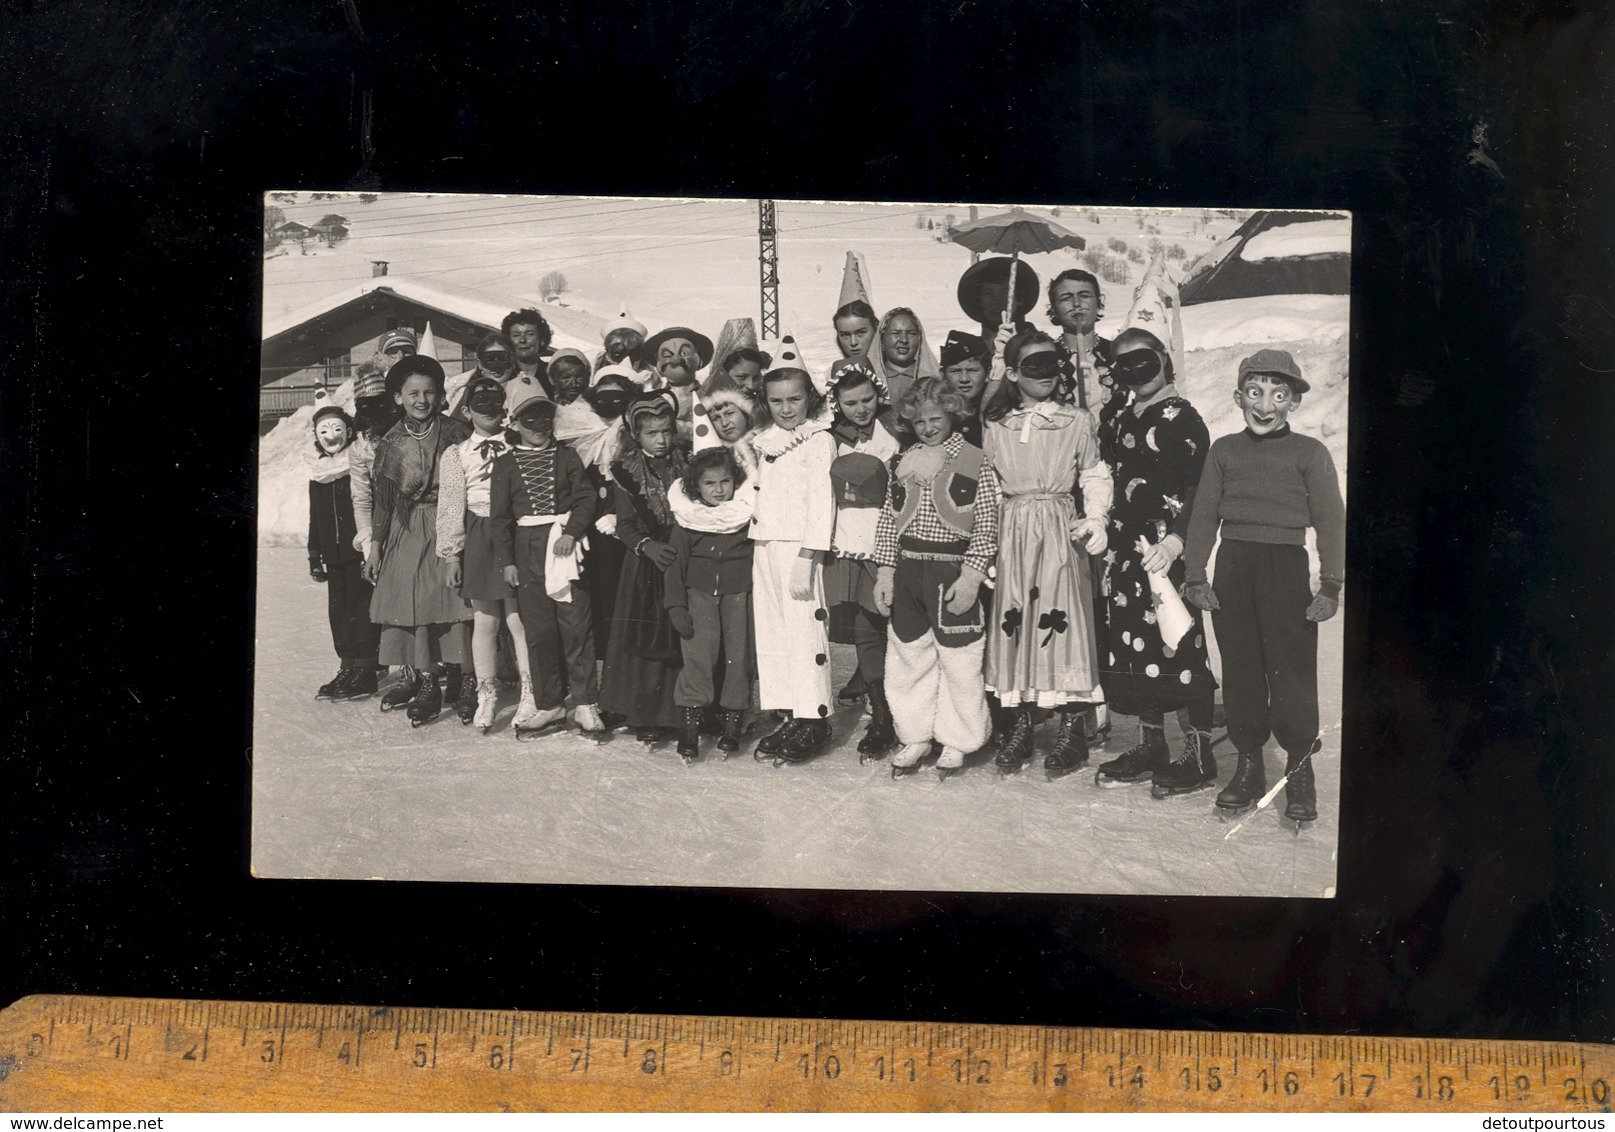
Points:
[(1266, 320), (1310, 237)]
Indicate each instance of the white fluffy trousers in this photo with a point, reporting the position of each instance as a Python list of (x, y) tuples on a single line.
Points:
[(792, 635), (936, 692)]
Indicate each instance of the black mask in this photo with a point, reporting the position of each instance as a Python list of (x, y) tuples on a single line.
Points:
[(1136, 367)]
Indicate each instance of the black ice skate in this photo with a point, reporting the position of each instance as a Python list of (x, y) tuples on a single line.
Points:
[(803, 739), (853, 694), (334, 688), (881, 737), (428, 700), (1016, 749), (711, 721), (464, 691), (1194, 769), (689, 746), (1246, 788), (361, 682), (1301, 791), (1070, 751), (729, 743), (768, 745), (1138, 763), (402, 692)]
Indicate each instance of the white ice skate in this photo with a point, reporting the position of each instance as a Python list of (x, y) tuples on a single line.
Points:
[(529, 721), (950, 762), (907, 761), (487, 697), (587, 717)]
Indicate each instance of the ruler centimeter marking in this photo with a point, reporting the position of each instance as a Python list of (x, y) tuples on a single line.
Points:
[(109, 1054)]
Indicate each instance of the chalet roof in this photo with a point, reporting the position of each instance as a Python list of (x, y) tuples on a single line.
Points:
[(575, 328)]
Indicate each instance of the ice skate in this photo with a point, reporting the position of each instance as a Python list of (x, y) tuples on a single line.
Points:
[(907, 761), (361, 682), (587, 717), (650, 736), (1301, 791), (950, 763), (711, 721), (804, 740), (689, 746), (1070, 751), (1246, 788), (881, 736), (463, 687), (487, 704), (768, 745), (427, 702), (1194, 769), (1138, 763), (1016, 750), (530, 721), (729, 743), (403, 691), (853, 694), (336, 686)]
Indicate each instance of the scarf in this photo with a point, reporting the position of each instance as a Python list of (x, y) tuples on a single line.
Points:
[(591, 436), (711, 519), (392, 499), (635, 473), (1043, 416), (323, 468)]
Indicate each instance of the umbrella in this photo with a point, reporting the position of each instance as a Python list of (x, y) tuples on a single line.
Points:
[(1015, 232)]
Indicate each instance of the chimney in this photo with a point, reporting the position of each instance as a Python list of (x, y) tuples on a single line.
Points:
[(378, 268)]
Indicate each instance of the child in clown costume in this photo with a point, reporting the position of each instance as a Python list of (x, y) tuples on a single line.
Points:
[(936, 539), (791, 532)]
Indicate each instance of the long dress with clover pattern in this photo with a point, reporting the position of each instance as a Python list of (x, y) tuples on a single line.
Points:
[(1155, 454), (1040, 644)]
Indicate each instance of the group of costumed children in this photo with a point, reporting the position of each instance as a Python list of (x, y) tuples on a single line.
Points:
[(982, 538)]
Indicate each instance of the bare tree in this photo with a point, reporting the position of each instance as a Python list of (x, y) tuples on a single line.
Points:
[(551, 284), (273, 218)]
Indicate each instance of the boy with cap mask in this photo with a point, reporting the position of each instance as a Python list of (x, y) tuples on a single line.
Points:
[(1263, 488)]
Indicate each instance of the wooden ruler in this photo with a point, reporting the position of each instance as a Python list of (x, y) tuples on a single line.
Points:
[(66, 1054)]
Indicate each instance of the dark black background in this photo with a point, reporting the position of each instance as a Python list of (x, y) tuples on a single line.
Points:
[(1476, 887)]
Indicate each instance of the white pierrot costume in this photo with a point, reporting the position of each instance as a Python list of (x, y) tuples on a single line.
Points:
[(794, 510)]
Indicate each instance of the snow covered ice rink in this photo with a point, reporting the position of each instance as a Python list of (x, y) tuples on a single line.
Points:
[(342, 791)]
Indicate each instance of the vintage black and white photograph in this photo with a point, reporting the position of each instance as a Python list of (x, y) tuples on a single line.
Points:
[(784, 544)]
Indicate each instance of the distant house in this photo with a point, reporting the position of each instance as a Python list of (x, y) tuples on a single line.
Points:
[(319, 344), (331, 228), (292, 230)]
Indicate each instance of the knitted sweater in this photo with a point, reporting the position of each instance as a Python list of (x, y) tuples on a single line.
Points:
[(1269, 489)]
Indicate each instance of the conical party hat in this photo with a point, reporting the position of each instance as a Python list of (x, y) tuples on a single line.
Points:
[(855, 281), (787, 355), (428, 344)]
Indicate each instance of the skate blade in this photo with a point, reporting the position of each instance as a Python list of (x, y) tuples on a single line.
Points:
[(1007, 771), (904, 771), (1234, 813), (944, 773), (525, 733), (1168, 795), (1052, 773), (865, 760), (1105, 782)]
